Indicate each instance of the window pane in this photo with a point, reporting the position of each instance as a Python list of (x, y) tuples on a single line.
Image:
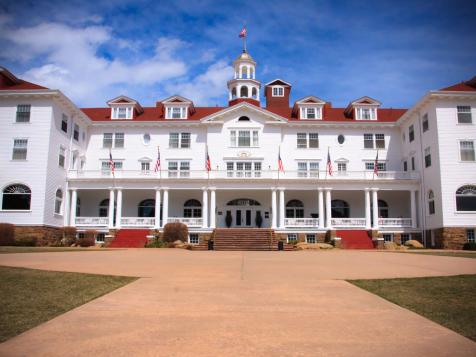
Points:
[(466, 203), (244, 138), (301, 140), (185, 140), (368, 141), (380, 141), (313, 140), (255, 138), (23, 113), (107, 140), (311, 113), (467, 150), (173, 140), (64, 123), (464, 114), (411, 133), (119, 140), (19, 149), (233, 138)]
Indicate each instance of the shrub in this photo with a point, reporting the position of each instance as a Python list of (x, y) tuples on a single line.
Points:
[(157, 243), (69, 236), (26, 241), (7, 234), (469, 246), (175, 231), (89, 238)]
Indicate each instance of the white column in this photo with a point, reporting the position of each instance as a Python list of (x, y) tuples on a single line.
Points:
[(111, 208), (321, 208), (157, 224), (212, 208), (119, 208), (204, 208), (273, 209), (328, 209), (368, 224), (74, 203), (165, 207), (375, 208), (413, 209), (281, 208), (66, 208)]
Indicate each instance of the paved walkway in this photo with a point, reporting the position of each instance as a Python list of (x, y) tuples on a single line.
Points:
[(241, 304)]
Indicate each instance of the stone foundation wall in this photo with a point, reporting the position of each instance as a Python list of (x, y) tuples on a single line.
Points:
[(449, 237), (204, 237), (45, 235)]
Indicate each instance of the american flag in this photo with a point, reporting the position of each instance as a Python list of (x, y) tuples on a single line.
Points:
[(157, 163), (208, 164), (280, 161), (111, 163), (376, 165), (243, 32), (329, 163)]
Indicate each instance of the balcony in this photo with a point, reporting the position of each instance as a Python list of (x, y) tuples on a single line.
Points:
[(311, 176), (301, 222)]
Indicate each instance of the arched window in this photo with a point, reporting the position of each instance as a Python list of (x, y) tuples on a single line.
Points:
[(58, 201), (244, 92), (104, 208), (340, 209), (243, 202), (244, 72), (431, 202), (192, 208), (254, 93), (146, 208), (466, 198), (252, 73), (16, 197), (382, 209), (233, 93), (295, 209), (243, 118)]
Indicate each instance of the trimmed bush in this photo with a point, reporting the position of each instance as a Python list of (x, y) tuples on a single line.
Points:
[(26, 241), (89, 238), (7, 234), (175, 231), (157, 243), (69, 236), (469, 246)]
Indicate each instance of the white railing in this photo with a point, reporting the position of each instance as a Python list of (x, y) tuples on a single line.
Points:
[(137, 221), (241, 174), (92, 221), (395, 222), (301, 222), (348, 222), (189, 221)]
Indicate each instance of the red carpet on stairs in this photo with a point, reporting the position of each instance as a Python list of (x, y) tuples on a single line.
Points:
[(355, 239), (130, 238)]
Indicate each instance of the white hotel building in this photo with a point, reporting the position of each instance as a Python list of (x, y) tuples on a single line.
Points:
[(54, 163)]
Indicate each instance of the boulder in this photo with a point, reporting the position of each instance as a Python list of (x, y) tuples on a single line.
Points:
[(178, 243), (413, 244), (325, 246), (390, 246), (306, 246)]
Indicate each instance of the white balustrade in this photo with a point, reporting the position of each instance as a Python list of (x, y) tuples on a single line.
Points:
[(395, 222), (348, 222), (189, 221), (243, 174), (301, 222), (137, 221), (92, 221)]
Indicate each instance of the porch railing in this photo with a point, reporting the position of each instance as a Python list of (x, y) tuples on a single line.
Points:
[(301, 222), (395, 222), (189, 221), (311, 175), (92, 221), (348, 222), (137, 221)]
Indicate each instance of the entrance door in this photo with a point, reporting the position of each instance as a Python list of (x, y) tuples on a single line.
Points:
[(248, 218), (238, 218), (243, 217)]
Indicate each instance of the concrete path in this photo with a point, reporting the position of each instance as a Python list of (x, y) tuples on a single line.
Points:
[(241, 304)]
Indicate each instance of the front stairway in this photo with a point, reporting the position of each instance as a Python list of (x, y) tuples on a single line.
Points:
[(130, 238), (244, 239), (355, 239)]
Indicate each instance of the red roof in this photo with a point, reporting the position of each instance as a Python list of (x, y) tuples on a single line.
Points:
[(149, 114), (460, 87), (8, 81)]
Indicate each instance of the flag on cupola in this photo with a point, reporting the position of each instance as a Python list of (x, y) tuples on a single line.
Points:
[(242, 32)]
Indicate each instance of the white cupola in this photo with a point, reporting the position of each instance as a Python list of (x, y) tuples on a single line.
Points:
[(244, 84)]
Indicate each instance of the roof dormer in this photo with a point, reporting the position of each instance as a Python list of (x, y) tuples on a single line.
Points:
[(309, 108), (124, 108), (177, 107), (277, 93), (364, 108)]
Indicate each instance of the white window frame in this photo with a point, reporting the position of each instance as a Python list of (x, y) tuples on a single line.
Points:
[(304, 112), (312, 236), (427, 153), (460, 149), (193, 238), (291, 237), (23, 110), (306, 140), (64, 119), (470, 238), (360, 110), (181, 139), (423, 121), (182, 168), (308, 168), (253, 137), (122, 112), (277, 91), (58, 205), (244, 168), (176, 112), (105, 167), (76, 132), (62, 157), (20, 145), (459, 110), (107, 140), (119, 140)]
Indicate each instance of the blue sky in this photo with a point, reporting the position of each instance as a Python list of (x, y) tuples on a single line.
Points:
[(393, 51)]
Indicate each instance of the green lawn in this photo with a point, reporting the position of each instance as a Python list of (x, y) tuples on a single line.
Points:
[(30, 297), (445, 254), (5, 250), (449, 301)]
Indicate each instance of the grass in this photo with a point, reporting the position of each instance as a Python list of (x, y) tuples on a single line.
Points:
[(11, 249), (30, 297), (449, 301), (446, 254)]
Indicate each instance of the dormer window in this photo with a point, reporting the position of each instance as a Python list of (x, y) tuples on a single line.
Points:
[(278, 91), (311, 113), (122, 112), (176, 113), (365, 113)]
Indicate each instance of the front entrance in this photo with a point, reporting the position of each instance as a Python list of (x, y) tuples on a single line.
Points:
[(244, 213)]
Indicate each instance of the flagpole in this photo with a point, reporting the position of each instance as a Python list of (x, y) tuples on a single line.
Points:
[(327, 164), (160, 167)]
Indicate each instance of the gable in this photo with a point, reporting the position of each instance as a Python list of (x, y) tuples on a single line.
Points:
[(243, 109)]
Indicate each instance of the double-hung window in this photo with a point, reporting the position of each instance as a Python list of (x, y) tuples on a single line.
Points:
[(179, 168), (119, 140), (310, 112), (366, 113), (424, 124), (61, 156), (107, 140), (122, 112), (179, 140), (176, 113), (23, 113), (278, 91), (20, 147), (64, 123), (76, 132), (106, 166), (466, 148), (464, 114), (380, 141), (145, 167), (368, 141), (308, 169), (244, 138), (243, 169), (381, 166), (342, 168), (307, 140), (411, 133), (427, 157)]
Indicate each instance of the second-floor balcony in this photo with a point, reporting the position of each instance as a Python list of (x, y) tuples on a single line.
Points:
[(313, 175)]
